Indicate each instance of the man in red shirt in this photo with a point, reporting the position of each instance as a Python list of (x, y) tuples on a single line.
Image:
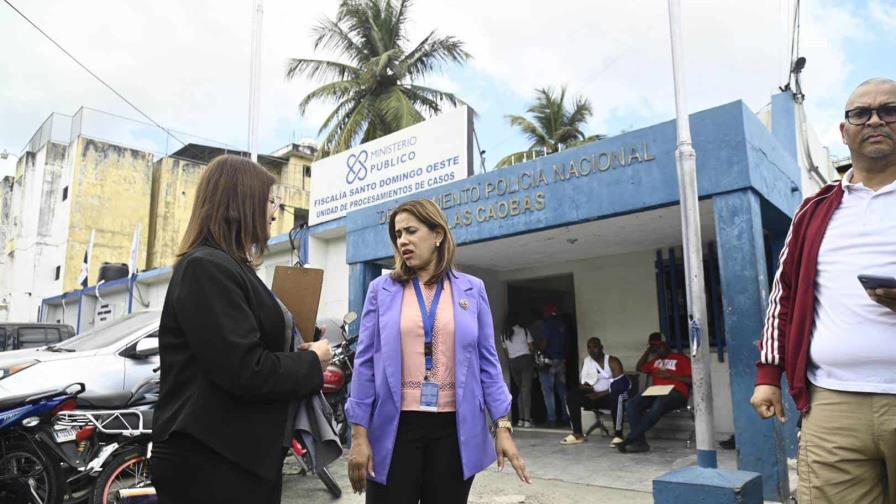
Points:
[(666, 368)]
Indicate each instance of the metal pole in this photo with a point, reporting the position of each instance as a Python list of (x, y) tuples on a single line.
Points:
[(254, 77), (693, 255)]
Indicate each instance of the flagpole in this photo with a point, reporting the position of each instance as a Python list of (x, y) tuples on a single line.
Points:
[(84, 279), (255, 77), (132, 267), (686, 162)]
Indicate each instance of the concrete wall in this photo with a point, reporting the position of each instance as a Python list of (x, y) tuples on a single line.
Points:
[(6, 199), (151, 287), (110, 192), (330, 255), (174, 184), (33, 244)]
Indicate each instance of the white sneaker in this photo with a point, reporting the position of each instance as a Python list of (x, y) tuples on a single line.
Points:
[(525, 424), (616, 440)]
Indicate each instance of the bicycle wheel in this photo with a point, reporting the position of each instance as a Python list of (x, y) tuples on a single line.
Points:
[(126, 469), (26, 473)]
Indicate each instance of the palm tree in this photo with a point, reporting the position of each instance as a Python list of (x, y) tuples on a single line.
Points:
[(553, 126), (375, 86)]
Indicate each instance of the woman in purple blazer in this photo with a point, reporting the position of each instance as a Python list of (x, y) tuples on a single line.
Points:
[(426, 373)]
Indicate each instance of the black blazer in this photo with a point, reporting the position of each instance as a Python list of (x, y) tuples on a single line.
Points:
[(227, 376)]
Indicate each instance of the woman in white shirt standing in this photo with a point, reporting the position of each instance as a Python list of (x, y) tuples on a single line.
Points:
[(517, 342)]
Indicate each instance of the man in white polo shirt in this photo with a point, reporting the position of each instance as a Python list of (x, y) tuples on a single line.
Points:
[(835, 340)]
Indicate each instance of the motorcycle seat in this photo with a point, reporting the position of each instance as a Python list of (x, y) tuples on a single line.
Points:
[(114, 400), (14, 401), (22, 399)]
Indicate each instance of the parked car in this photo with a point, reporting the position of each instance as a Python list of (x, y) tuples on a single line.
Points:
[(111, 359), (21, 336)]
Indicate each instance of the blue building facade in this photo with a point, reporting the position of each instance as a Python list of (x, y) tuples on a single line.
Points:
[(749, 174)]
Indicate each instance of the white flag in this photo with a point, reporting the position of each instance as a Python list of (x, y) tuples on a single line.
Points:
[(85, 267), (135, 251)]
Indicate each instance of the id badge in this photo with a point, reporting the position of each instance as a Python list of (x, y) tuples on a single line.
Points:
[(429, 396)]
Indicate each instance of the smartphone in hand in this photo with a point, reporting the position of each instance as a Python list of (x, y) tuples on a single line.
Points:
[(870, 282)]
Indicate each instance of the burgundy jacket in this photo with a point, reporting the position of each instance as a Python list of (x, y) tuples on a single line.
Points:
[(784, 347)]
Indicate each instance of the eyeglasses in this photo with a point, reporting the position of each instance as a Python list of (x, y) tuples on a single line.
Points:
[(275, 202), (860, 115)]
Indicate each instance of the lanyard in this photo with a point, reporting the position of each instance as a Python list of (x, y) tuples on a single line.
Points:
[(429, 321)]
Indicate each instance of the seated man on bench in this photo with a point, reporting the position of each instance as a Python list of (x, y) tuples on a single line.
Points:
[(603, 387), (666, 368)]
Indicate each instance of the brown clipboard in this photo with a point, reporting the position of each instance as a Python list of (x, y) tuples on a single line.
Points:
[(299, 289)]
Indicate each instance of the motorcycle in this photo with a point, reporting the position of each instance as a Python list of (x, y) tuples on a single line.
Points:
[(338, 376), (29, 472), (107, 442)]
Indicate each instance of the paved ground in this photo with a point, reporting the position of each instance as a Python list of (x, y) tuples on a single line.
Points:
[(490, 487), (591, 472)]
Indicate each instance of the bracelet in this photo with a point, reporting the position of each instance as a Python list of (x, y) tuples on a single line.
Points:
[(503, 423)]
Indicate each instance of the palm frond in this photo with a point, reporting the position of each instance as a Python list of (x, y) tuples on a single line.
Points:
[(431, 54), (580, 112), (440, 97), (398, 111), (378, 65), (586, 140), (340, 111), (516, 157), (373, 82), (334, 91), (329, 35), (532, 131), (319, 69)]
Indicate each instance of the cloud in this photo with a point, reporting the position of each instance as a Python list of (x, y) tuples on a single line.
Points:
[(883, 11), (186, 63)]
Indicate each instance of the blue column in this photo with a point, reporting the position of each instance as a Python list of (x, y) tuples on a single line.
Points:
[(760, 443), (784, 122), (360, 276), (777, 225)]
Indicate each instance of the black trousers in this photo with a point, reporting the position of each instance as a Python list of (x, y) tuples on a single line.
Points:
[(185, 471), (576, 400), (426, 467)]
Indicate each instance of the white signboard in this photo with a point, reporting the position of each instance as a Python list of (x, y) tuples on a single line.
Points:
[(423, 156)]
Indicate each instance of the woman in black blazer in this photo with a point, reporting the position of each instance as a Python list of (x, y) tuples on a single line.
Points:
[(229, 379)]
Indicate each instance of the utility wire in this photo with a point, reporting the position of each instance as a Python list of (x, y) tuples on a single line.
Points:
[(95, 76)]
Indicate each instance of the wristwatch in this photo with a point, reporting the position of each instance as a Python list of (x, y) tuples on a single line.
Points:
[(503, 423)]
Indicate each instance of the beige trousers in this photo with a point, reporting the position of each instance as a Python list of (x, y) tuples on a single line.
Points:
[(848, 449)]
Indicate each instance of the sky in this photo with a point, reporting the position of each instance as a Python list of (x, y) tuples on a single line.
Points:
[(186, 63)]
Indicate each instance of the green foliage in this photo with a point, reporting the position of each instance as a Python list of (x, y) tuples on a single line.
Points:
[(552, 125), (374, 88)]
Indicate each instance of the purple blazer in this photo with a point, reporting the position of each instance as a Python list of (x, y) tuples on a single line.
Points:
[(375, 401)]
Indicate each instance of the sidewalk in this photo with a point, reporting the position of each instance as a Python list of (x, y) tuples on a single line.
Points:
[(590, 472), (490, 487)]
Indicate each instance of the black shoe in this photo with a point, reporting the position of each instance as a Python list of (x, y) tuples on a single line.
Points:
[(728, 444), (638, 447)]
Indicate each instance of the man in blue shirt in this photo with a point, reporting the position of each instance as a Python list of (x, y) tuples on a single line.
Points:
[(552, 374)]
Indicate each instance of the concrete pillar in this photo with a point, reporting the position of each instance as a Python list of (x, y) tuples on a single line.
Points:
[(784, 122), (760, 443), (359, 278)]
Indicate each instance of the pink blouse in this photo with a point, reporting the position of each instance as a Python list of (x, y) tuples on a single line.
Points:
[(413, 366)]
